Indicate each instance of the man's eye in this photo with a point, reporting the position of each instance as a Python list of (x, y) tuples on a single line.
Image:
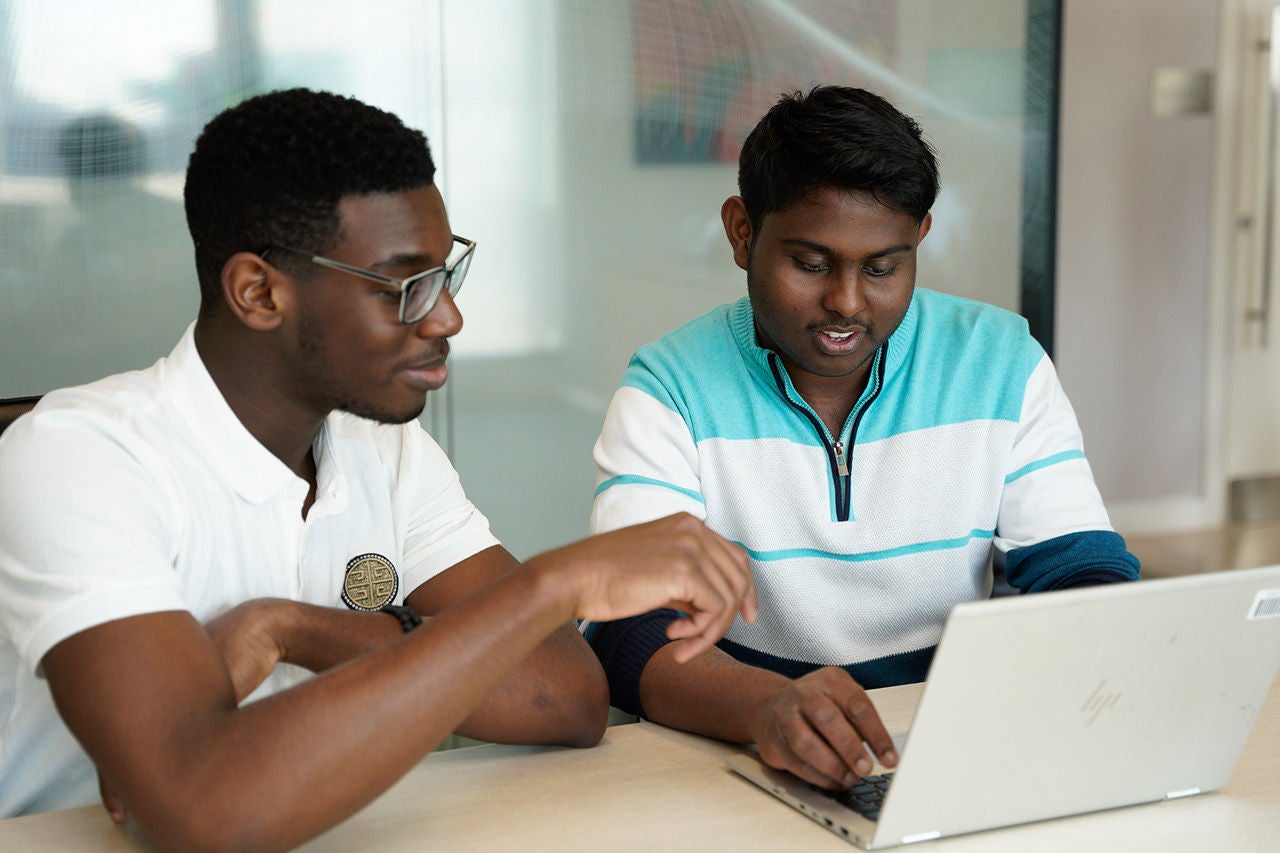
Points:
[(880, 272), (811, 267)]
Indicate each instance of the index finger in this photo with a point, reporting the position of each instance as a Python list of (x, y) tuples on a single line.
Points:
[(723, 587), (866, 720), (737, 564)]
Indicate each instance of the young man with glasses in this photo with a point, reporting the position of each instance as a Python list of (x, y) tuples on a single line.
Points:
[(262, 503)]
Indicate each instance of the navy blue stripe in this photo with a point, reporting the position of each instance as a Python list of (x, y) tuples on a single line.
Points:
[(840, 498), (904, 668), (878, 373)]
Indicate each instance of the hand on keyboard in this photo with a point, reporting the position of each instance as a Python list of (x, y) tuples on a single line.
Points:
[(816, 727)]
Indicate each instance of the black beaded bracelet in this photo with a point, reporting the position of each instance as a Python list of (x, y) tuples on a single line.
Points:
[(408, 619)]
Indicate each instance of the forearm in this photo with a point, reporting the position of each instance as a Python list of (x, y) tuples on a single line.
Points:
[(151, 701), (276, 772), (557, 695), (319, 638), (365, 723), (713, 694)]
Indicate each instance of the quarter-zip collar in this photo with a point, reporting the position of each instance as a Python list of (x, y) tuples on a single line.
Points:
[(768, 365), (894, 352)]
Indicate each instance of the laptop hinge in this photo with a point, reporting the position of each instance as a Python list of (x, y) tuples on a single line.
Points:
[(1173, 795), (921, 836)]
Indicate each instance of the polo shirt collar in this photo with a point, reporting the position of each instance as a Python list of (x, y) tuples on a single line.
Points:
[(254, 472)]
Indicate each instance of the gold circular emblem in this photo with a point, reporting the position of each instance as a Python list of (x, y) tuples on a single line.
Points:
[(370, 583)]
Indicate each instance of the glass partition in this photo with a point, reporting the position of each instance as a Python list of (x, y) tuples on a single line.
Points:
[(585, 144), (652, 101)]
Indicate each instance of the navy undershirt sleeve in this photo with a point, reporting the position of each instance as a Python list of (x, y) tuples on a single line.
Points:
[(1088, 558), (624, 647)]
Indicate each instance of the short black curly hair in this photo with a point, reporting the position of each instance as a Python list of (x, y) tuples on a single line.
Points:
[(272, 170), (841, 137)]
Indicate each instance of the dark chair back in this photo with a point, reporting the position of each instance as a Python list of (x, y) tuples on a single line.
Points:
[(13, 407)]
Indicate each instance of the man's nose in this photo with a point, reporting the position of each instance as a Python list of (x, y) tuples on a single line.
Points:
[(444, 320), (844, 294)]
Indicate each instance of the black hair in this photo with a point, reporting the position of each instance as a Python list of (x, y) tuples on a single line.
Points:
[(836, 136), (272, 170)]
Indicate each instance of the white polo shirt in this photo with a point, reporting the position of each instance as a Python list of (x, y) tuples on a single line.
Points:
[(143, 492)]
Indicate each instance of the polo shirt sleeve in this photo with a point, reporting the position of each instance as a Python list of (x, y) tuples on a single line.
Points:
[(1053, 530), (444, 527), (85, 533)]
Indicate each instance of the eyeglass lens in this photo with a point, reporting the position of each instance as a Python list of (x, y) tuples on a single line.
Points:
[(423, 294)]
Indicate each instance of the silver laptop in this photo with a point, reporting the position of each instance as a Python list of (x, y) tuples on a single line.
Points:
[(1056, 704)]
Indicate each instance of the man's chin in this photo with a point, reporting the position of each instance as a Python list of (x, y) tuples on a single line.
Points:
[(385, 416), (847, 365)]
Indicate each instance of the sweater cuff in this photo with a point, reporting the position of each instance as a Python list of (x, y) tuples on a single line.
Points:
[(1092, 577), (624, 647), (1074, 559)]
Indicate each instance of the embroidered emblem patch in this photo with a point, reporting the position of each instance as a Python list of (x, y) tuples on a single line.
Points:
[(371, 581)]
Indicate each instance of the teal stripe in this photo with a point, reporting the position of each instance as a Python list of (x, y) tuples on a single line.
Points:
[(868, 556), (952, 361), (1044, 463), (635, 480)]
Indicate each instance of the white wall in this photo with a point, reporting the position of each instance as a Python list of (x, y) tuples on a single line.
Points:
[(1133, 255)]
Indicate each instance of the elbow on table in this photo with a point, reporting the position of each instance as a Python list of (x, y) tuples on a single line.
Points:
[(585, 711), (234, 812), (192, 827), (568, 706)]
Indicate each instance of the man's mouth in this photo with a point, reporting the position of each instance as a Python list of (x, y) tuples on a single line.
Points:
[(839, 342), (428, 364), (426, 375)]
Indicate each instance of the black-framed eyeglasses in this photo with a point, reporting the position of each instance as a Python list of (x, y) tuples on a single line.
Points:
[(418, 293)]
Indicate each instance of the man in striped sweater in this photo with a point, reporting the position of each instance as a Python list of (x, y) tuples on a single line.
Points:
[(873, 447)]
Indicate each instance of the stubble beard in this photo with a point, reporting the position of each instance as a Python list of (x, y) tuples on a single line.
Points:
[(328, 388)]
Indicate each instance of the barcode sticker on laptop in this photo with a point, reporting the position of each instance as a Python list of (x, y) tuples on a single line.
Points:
[(1266, 604)]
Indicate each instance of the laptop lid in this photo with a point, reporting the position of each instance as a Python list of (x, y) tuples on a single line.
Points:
[(1066, 702)]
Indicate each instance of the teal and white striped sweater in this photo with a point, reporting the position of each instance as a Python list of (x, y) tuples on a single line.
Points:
[(860, 543)]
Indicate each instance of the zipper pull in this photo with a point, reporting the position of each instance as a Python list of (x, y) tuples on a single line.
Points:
[(841, 465)]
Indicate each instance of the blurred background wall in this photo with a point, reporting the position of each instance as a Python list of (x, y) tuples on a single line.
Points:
[(587, 146)]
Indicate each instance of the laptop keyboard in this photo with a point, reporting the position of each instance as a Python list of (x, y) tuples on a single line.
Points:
[(865, 798)]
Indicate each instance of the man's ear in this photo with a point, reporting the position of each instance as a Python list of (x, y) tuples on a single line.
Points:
[(925, 225), (737, 227), (256, 292)]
